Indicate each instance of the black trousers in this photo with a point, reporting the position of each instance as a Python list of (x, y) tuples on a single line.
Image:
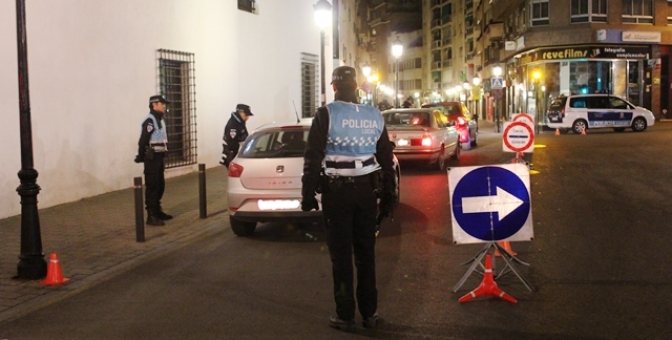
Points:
[(350, 220), (155, 183)]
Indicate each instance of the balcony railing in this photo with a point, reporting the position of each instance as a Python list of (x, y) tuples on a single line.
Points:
[(447, 63), (436, 22), (436, 43), (436, 64)]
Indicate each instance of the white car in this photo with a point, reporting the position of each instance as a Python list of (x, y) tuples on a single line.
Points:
[(591, 111), (423, 135), (265, 178)]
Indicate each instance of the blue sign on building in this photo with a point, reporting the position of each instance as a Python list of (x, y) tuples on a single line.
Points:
[(491, 203)]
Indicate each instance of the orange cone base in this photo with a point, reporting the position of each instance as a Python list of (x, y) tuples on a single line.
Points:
[(557, 132), (488, 286), (507, 246), (54, 273)]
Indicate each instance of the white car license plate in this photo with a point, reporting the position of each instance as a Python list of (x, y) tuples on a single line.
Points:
[(278, 204)]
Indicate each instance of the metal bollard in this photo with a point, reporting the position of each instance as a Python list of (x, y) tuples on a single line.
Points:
[(139, 212), (202, 200)]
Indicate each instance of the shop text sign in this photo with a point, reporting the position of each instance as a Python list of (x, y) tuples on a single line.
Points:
[(581, 52)]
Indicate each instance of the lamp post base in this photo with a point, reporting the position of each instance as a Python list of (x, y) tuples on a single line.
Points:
[(31, 267)]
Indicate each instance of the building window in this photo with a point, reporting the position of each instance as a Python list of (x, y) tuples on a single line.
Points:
[(177, 85), (538, 12), (248, 6), (638, 11), (589, 11), (418, 62), (309, 91)]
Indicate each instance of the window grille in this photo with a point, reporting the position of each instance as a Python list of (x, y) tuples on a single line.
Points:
[(309, 86), (638, 11), (589, 11), (177, 84), (247, 6)]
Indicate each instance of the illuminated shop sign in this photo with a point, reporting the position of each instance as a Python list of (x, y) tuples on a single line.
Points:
[(586, 52)]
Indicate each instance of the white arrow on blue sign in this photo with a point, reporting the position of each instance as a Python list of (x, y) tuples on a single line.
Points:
[(491, 203)]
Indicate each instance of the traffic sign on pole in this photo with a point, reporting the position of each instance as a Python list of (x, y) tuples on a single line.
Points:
[(490, 203), (518, 136)]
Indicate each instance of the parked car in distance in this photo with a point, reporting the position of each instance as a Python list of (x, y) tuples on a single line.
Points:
[(264, 183), (590, 111), (422, 135), (465, 123)]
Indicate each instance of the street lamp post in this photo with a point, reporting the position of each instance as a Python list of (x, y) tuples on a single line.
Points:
[(477, 99), (322, 18), (366, 71), (497, 72), (536, 76), (32, 265), (397, 50)]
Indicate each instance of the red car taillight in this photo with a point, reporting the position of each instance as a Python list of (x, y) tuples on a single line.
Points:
[(461, 121), (562, 112), (426, 141), (235, 170)]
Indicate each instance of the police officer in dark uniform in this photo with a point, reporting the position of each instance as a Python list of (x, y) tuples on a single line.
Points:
[(152, 148), (235, 132), (348, 147)]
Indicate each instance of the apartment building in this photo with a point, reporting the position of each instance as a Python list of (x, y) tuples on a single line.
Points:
[(583, 46)]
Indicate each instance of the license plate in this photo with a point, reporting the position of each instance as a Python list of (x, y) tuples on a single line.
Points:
[(403, 142), (278, 204)]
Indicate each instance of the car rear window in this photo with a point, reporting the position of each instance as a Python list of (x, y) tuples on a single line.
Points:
[(406, 119), (558, 103), (276, 143)]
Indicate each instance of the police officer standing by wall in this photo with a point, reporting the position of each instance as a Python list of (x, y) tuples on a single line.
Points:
[(235, 132), (347, 147), (152, 148)]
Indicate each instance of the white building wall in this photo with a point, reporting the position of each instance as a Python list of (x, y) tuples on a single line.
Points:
[(92, 68)]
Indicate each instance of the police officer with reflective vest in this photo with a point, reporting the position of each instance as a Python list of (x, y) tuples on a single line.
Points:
[(152, 148), (348, 148), (235, 133)]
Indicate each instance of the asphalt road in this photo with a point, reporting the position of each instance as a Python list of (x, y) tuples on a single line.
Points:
[(599, 263)]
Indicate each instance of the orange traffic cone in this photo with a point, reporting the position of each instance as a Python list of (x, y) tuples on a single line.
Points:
[(557, 132), (507, 246), (583, 131), (488, 287), (54, 273)]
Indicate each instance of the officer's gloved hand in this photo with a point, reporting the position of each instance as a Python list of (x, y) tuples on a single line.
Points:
[(138, 159), (309, 203), (388, 202)]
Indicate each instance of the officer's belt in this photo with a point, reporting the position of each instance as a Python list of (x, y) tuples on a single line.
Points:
[(351, 179), (350, 165)]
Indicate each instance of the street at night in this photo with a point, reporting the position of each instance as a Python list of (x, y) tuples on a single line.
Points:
[(598, 263)]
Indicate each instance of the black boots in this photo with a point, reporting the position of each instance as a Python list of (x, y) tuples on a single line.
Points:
[(154, 220), (163, 216), (344, 325)]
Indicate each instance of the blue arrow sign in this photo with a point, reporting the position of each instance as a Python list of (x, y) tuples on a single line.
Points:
[(490, 203)]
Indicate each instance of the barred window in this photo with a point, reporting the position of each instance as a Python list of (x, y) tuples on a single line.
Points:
[(539, 13), (247, 6), (176, 83), (309, 90)]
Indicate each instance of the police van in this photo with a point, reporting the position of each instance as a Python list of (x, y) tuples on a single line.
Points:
[(578, 112)]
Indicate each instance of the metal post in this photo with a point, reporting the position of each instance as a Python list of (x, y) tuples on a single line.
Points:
[(494, 107), (323, 88), (202, 200), (139, 212), (396, 88), (32, 265)]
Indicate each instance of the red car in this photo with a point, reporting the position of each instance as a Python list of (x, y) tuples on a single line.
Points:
[(465, 123)]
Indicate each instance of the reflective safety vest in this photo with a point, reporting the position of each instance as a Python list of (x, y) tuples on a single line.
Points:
[(354, 130), (158, 140)]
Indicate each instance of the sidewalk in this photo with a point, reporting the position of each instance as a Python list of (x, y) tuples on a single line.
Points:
[(95, 238)]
